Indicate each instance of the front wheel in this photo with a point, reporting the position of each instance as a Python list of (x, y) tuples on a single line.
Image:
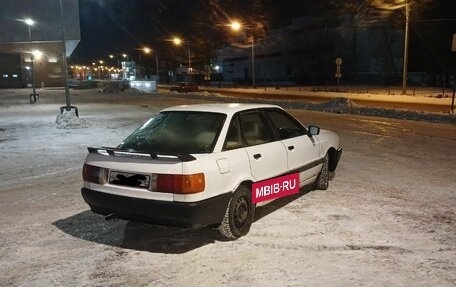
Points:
[(322, 181), (239, 215)]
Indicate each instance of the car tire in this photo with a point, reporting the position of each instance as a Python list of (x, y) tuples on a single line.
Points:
[(239, 214), (322, 181)]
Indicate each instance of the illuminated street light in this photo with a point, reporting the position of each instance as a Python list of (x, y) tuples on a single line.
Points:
[(236, 26), (30, 23), (178, 41), (37, 54)]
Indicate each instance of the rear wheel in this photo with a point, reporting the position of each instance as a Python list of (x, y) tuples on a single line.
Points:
[(322, 181), (239, 215)]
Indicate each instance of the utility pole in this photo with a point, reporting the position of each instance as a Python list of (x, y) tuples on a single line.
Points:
[(156, 66), (34, 95), (189, 61), (406, 40), (253, 62), (64, 61)]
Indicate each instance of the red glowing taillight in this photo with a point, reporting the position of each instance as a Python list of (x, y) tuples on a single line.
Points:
[(179, 183)]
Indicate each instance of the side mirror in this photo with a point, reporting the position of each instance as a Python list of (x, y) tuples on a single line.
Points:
[(313, 131)]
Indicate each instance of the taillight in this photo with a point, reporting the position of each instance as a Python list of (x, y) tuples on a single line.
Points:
[(178, 183), (95, 174)]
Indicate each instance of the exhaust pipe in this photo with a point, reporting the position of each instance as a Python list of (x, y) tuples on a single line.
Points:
[(110, 216)]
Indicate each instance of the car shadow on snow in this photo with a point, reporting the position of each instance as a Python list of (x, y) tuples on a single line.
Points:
[(269, 208), (133, 235), (152, 238)]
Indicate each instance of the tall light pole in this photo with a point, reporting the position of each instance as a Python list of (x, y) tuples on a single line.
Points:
[(30, 23), (236, 26), (253, 62), (156, 65), (117, 59), (64, 61), (178, 41), (147, 50), (406, 41)]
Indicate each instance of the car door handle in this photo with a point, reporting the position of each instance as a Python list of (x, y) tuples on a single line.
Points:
[(290, 147), (257, 156)]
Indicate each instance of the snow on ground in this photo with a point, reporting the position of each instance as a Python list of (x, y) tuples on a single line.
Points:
[(387, 219)]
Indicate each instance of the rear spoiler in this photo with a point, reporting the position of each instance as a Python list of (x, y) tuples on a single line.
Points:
[(112, 151)]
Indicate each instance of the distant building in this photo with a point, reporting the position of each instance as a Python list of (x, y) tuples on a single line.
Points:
[(128, 70), (17, 44), (305, 53)]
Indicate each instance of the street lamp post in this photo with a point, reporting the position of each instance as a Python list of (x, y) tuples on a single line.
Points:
[(236, 26), (177, 41), (65, 66), (117, 59), (100, 68), (156, 66), (147, 50), (253, 62), (30, 23), (406, 40)]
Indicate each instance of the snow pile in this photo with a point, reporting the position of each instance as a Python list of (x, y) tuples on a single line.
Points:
[(406, 115), (339, 105), (209, 94), (69, 120)]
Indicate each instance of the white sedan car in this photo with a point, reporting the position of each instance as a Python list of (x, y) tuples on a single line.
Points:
[(196, 165)]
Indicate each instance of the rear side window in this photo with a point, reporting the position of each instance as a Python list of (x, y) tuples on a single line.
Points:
[(286, 126), (234, 137), (255, 129)]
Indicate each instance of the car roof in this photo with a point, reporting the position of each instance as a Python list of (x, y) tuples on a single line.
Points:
[(224, 108)]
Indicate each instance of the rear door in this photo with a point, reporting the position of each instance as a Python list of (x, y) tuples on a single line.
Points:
[(303, 152), (267, 155)]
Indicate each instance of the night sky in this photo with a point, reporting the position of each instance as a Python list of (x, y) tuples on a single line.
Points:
[(119, 26)]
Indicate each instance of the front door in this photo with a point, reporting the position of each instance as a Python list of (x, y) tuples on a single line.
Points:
[(303, 151)]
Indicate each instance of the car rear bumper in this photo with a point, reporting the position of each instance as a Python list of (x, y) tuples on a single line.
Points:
[(190, 215)]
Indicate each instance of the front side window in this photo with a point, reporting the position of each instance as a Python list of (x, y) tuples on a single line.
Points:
[(255, 129), (286, 126), (176, 132)]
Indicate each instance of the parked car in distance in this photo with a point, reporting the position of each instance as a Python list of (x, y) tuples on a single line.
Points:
[(194, 165), (184, 88)]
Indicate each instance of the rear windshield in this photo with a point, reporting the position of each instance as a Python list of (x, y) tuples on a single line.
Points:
[(176, 132)]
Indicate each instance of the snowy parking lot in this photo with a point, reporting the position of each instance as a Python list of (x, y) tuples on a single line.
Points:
[(387, 219)]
